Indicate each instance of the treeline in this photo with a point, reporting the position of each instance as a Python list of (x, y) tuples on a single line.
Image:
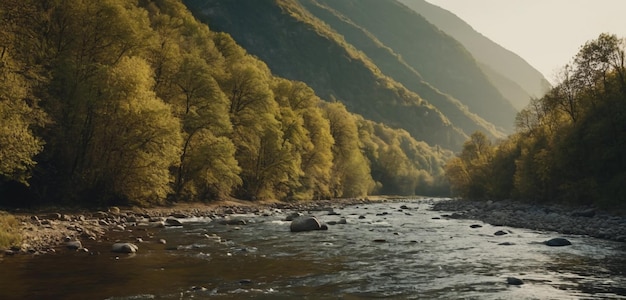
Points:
[(120, 101), (569, 145)]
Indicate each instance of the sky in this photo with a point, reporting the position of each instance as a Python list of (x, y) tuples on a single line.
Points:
[(546, 33)]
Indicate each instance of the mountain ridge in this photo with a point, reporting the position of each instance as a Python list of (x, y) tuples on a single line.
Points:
[(501, 60)]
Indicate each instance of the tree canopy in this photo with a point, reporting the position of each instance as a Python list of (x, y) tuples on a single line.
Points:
[(136, 102), (569, 144)]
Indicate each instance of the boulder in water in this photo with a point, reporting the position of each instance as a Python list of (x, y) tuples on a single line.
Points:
[(172, 222), (557, 242), (305, 224), (514, 281), (124, 248)]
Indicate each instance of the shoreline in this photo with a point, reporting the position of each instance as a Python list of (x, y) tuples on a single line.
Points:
[(45, 232), (48, 230), (589, 221)]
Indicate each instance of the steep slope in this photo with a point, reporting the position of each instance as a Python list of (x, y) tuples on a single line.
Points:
[(393, 65), (298, 46), (441, 60), (520, 80)]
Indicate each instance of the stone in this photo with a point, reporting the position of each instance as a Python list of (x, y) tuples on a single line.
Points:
[(476, 226), (588, 213), (514, 281), (55, 216), (172, 222), (342, 221), (506, 244), (162, 241), (124, 248), (500, 232), (114, 210), (305, 224), (179, 215), (292, 216), (74, 245), (229, 221), (557, 242), (404, 207)]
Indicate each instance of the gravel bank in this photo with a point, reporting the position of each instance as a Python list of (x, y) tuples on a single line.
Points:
[(566, 220), (49, 232)]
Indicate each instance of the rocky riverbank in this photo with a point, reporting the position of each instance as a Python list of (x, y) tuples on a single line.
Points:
[(48, 232), (563, 219)]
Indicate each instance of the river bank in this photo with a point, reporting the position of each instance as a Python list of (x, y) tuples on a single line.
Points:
[(588, 221), (48, 230)]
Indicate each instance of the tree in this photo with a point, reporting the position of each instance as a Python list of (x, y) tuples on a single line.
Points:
[(207, 165), (469, 173), (351, 176), (19, 113), (134, 138), (309, 132)]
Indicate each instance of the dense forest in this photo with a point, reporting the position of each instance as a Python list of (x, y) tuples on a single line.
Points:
[(136, 102), (569, 144)]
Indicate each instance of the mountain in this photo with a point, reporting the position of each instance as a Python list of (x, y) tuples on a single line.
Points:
[(336, 48), (441, 60), (512, 75), (298, 46)]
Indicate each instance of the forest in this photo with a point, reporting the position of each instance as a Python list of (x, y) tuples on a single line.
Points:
[(569, 144), (119, 102)]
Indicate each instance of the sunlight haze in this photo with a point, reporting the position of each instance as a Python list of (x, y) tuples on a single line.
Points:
[(546, 33)]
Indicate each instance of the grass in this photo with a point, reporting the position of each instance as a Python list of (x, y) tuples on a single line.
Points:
[(9, 231)]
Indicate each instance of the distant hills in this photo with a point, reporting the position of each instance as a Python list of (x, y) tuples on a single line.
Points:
[(511, 74), (382, 59)]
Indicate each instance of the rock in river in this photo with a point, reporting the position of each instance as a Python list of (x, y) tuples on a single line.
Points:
[(305, 224), (514, 281), (124, 248), (557, 242), (172, 222)]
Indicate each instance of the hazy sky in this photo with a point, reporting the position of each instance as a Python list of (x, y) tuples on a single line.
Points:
[(546, 33)]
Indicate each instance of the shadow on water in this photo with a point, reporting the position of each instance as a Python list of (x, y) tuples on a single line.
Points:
[(382, 252)]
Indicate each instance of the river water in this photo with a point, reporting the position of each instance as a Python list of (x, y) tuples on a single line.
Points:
[(382, 252)]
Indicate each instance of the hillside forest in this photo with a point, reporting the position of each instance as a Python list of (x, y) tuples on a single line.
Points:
[(569, 144), (136, 102)]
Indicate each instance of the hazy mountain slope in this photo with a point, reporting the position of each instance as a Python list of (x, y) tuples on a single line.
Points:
[(503, 61), (298, 46), (394, 66), (441, 60)]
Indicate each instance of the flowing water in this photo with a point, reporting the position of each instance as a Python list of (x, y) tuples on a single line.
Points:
[(383, 252)]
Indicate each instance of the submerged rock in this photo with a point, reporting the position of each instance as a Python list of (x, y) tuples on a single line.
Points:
[(124, 248), (305, 224), (557, 242)]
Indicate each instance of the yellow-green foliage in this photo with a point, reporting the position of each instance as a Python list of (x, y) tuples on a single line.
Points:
[(570, 143), (147, 104), (9, 231)]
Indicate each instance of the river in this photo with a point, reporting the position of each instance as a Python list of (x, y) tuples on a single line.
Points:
[(383, 251)]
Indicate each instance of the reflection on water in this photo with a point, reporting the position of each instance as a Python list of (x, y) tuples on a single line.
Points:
[(403, 254)]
